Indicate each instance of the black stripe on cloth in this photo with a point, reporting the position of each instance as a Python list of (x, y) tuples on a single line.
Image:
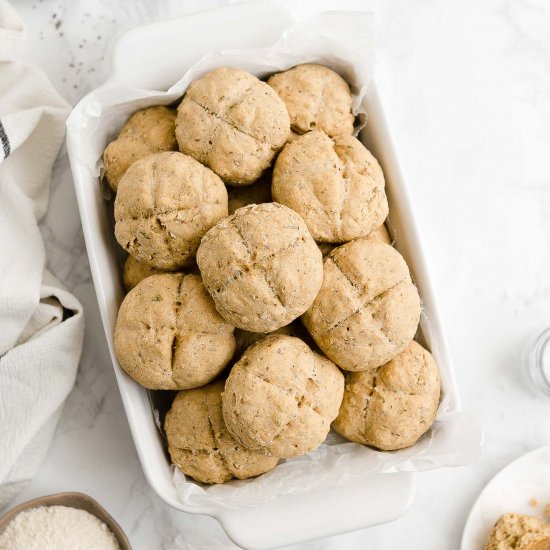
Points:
[(5, 141)]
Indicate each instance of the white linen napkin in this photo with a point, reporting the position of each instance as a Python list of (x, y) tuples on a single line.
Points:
[(41, 324)]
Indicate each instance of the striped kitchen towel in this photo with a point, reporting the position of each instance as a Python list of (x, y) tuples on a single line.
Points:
[(41, 323)]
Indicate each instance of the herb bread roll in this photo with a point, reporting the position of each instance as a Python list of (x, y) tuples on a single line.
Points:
[(367, 310), (281, 397), (149, 131), (199, 443), (233, 123), (392, 407), (261, 267), (519, 532), (335, 184), (169, 336), (316, 97), (164, 205)]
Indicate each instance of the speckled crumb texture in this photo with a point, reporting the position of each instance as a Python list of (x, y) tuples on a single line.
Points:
[(519, 532), (335, 184), (164, 205), (394, 406), (233, 123), (261, 267), (367, 310), (281, 397), (317, 98), (169, 336)]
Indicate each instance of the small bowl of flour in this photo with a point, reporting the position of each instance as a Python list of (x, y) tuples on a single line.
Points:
[(65, 521)]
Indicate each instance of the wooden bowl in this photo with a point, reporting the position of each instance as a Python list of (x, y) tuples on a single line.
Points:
[(72, 500)]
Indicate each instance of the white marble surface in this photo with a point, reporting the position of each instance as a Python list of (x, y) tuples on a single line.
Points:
[(466, 85)]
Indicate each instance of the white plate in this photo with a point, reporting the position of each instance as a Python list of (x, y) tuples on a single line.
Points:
[(526, 478)]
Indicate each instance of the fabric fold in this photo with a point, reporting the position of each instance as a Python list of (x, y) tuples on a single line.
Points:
[(41, 323)]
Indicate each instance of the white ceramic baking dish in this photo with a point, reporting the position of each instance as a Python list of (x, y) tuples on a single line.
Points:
[(154, 57)]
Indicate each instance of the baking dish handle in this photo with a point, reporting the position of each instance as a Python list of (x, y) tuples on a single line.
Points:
[(376, 499), (139, 57)]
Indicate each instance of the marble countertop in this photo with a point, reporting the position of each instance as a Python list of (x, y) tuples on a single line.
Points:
[(466, 87)]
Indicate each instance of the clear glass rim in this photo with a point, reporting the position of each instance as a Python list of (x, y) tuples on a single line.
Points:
[(536, 361)]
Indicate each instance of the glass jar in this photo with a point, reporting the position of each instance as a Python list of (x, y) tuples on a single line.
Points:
[(538, 361)]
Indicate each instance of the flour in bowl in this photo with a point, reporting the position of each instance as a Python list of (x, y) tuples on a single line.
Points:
[(57, 528)]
